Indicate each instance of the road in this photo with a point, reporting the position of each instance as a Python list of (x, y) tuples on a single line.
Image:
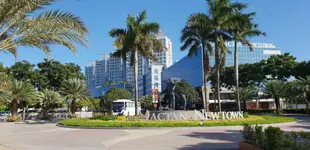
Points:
[(50, 137)]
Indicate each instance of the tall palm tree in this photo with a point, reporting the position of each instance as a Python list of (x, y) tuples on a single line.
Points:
[(304, 85), (220, 14), (138, 38), (18, 27), (75, 89), (17, 92), (242, 28), (247, 93), (197, 34), (50, 99), (275, 89)]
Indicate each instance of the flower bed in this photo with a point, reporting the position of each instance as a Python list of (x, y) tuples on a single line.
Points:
[(96, 123)]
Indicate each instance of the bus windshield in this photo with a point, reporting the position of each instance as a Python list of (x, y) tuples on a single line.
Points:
[(118, 106)]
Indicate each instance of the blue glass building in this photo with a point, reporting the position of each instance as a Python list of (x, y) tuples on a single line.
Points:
[(190, 68), (260, 52)]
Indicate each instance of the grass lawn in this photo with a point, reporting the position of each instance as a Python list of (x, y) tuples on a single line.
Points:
[(253, 120)]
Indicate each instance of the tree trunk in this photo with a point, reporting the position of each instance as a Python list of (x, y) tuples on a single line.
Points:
[(277, 101), (244, 106), (205, 68), (237, 74), (14, 107), (136, 81), (217, 61), (73, 106), (257, 97)]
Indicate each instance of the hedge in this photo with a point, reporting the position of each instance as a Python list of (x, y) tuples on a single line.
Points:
[(272, 111), (252, 120)]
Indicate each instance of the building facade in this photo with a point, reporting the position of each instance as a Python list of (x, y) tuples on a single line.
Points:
[(260, 52), (90, 75), (190, 68), (117, 70)]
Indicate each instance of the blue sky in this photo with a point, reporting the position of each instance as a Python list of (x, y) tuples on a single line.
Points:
[(286, 23)]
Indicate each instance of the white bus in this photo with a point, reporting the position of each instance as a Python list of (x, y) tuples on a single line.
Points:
[(124, 106)]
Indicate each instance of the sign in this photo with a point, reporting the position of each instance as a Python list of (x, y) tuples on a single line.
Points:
[(193, 115)]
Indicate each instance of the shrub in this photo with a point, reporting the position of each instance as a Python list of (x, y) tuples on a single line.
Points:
[(74, 116), (248, 133), (121, 118), (14, 118), (103, 117), (294, 111), (273, 138), (252, 120), (259, 136), (261, 111), (246, 114)]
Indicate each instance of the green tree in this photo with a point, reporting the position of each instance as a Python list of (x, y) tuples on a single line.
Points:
[(196, 35), (50, 100), (275, 89), (146, 102), (304, 85), (91, 103), (75, 89), (294, 93), (21, 70), (138, 38), (19, 27), (189, 91), (112, 95), (301, 69), (19, 92), (280, 67), (241, 29), (247, 93), (55, 73), (221, 16)]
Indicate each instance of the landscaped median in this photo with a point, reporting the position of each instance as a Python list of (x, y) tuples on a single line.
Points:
[(96, 123)]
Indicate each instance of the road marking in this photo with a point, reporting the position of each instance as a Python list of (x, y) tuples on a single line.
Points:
[(134, 134)]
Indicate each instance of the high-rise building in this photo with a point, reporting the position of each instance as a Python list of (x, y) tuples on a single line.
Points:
[(246, 56), (116, 70), (90, 75), (164, 57), (190, 68), (101, 70)]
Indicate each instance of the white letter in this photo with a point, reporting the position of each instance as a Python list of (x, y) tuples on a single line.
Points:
[(223, 115), (228, 115), (240, 114), (182, 117), (215, 115), (199, 116), (153, 116)]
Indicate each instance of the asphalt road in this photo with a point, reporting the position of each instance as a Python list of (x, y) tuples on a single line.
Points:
[(50, 137)]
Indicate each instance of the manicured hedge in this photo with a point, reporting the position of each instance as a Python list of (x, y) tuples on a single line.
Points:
[(252, 120), (272, 111), (294, 111)]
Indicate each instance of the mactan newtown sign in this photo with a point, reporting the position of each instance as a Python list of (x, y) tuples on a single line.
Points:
[(192, 115)]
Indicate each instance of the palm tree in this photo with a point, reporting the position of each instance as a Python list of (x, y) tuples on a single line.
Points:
[(197, 34), (220, 14), (247, 93), (138, 38), (241, 28), (304, 85), (18, 27), (50, 99), (275, 89), (76, 90), (18, 92)]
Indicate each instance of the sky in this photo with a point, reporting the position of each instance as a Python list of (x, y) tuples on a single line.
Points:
[(286, 22)]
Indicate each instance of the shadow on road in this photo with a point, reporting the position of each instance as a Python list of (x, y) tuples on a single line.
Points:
[(215, 140)]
